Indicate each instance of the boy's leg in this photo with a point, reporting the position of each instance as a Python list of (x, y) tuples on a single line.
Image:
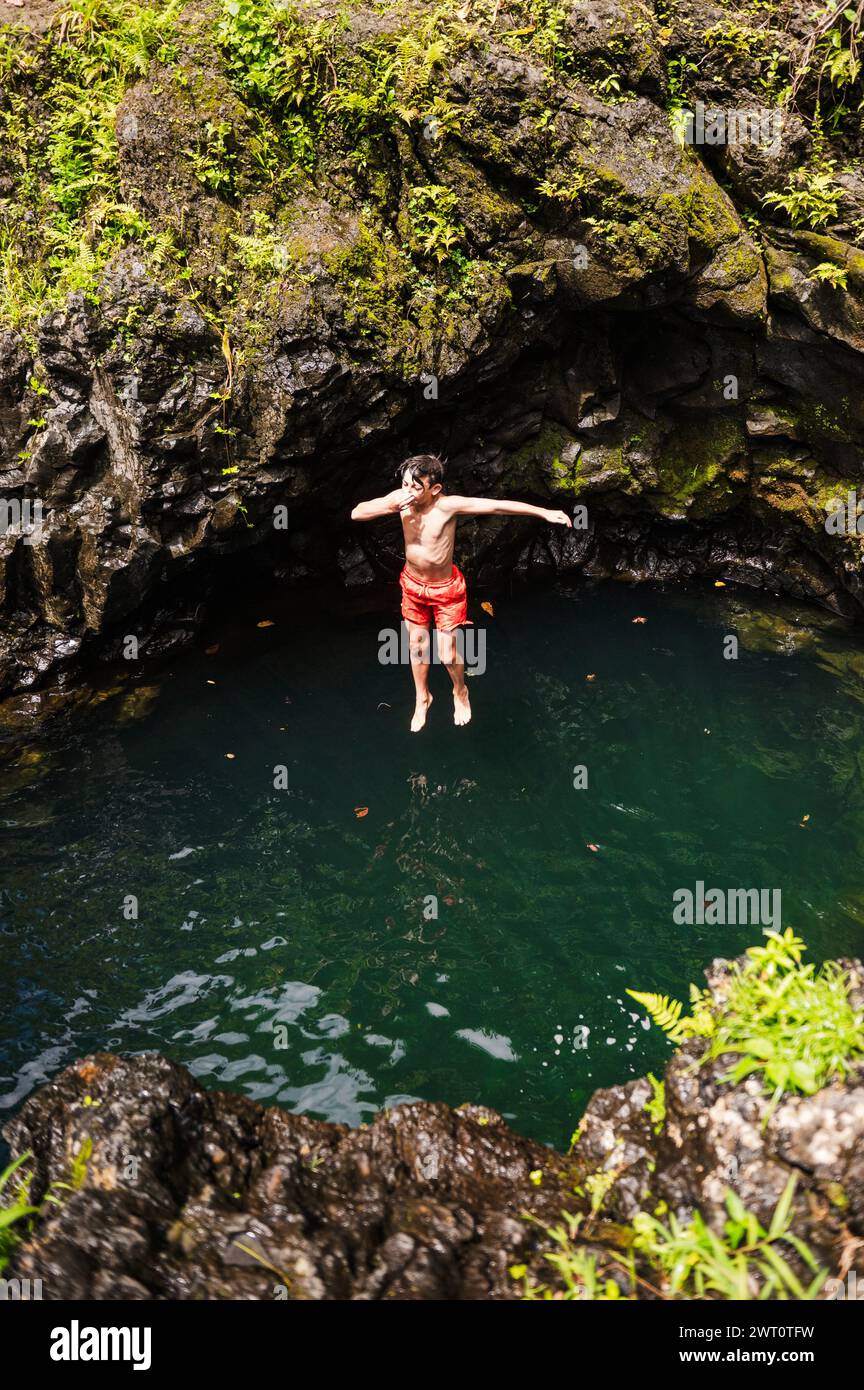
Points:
[(451, 655), (419, 649)]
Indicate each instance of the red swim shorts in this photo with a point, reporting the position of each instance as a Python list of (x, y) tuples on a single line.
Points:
[(444, 602)]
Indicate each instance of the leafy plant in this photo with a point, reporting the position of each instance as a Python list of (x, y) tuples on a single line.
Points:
[(598, 1186), (831, 274), (431, 208), (811, 196), (680, 1259), (666, 1013), (214, 160), (569, 189), (15, 1207), (744, 1264), (791, 1022), (66, 216), (832, 55), (655, 1105), (576, 1268), (17, 1212)]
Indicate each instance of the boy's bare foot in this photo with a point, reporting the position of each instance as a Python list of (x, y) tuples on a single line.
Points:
[(461, 707), (421, 709)]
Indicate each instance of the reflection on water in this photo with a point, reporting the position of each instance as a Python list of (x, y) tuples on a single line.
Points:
[(460, 941)]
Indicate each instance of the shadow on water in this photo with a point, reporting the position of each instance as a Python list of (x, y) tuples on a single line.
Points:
[(288, 948)]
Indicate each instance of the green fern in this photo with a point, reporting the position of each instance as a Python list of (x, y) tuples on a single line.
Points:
[(663, 1011), (666, 1013)]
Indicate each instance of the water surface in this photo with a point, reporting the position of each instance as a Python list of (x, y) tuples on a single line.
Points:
[(287, 948)]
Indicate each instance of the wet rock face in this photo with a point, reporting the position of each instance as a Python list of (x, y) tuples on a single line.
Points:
[(425, 1203), (185, 1193), (631, 348), (716, 1136)]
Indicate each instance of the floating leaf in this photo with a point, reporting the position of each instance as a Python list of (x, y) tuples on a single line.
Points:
[(361, 811), (719, 584), (640, 620), (595, 849), (230, 755), (487, 608), (211, 651), (265, 622), (591, 678)]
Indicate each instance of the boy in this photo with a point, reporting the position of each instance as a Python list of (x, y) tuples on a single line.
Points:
[(433, 589)]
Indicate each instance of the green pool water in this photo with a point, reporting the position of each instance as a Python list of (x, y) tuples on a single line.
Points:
[(288, 948)]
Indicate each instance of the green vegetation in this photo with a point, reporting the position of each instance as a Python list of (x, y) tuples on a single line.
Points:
[(16, 1210), (691, 1261), (655, 1106), (828, 72), (796, 1026), (679, 1260), (830, 274), (792, 1023), (68, 218), (666, 1013), (18, 1214), (811, 197)]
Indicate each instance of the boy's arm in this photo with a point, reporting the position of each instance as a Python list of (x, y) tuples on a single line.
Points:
[(394, 502), (491, 506)]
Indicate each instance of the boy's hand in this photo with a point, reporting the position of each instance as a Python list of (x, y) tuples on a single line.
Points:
[(402, 500), (559, 518)]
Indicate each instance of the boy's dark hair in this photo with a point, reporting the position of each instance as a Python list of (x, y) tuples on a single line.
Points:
[(424, 466)]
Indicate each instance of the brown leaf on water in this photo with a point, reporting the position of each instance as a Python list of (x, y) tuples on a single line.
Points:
[(230, 755), (361, 811), (487, 608), (450, 902), (595, 849), (211, 651), (718, 584), (804, 820), (640, 620), (265, 622), (592, 677)]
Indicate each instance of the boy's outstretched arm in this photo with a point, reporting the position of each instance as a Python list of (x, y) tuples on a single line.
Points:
[(394, 502), (491, 506)]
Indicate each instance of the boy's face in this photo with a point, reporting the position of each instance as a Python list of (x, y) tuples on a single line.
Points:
[(424, 494)]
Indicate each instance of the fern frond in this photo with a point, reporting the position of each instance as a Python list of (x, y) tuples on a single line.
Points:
[(663, 1011)]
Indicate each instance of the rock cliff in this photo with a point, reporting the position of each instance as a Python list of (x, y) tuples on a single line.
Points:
[(185, 1193), (277, 248)]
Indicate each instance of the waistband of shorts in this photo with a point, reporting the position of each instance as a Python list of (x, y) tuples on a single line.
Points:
[(431, 583)]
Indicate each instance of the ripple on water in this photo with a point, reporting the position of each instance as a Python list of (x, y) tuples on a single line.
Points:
[(462, 941)]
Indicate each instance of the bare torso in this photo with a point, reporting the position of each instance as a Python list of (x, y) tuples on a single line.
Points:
[(429, 540)]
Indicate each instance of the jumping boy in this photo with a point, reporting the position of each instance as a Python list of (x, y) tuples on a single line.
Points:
[(433, 588)]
